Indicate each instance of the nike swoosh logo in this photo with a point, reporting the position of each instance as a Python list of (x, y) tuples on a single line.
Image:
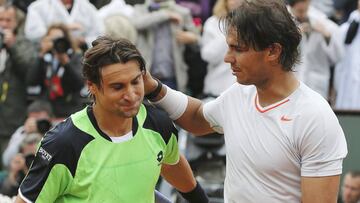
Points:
[(283, 118)]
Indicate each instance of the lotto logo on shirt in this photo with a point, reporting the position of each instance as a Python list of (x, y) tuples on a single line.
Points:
[(160, 156), (44, 154)]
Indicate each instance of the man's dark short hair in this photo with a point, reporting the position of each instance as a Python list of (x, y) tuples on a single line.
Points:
[(354, 174), (261, 23), (107, 51), (40, 106)]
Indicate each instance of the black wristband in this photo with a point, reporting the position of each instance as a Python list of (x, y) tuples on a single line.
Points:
[(155, 93), (197, 195)]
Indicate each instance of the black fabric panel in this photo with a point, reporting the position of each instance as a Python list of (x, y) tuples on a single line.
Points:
[(159, 121), (61, 145)]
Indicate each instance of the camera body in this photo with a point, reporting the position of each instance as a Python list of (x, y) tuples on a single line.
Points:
[(43, 125), (2, 45), (61, 45)]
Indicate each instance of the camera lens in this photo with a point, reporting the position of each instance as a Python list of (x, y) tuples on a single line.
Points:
[(61, 45), (1, 40), (43, 125)]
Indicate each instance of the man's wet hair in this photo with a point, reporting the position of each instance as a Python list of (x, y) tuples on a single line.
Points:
[(261, 23), (106, 51)]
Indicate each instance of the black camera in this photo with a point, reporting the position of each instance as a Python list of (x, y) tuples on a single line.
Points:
[(43, 125), (61, 45), (1, 39)]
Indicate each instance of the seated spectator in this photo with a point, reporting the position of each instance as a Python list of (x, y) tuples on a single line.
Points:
[(58, 73), (80, 17), (17, 56), (351, 187), (20, 165), (38, 120)]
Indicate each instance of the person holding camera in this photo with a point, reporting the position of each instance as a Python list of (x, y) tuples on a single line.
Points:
[(79, 16), (316, 60), (57, 77), (39, 116), (19, 165), (164, 28), (17, 56)]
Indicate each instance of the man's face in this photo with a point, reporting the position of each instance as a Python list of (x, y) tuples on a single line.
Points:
[(121, 91), (359, 5), (300, 10), (247, 65), (8, 19), (351, 189)]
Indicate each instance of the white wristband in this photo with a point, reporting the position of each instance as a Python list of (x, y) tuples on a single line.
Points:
[(174, 103)]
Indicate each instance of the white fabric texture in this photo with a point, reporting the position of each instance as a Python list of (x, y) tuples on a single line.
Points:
[(213, 50), (314, 67), (116, 7), (43, 13), (270, 148), (347, 70), (174, 103), (128, 136)]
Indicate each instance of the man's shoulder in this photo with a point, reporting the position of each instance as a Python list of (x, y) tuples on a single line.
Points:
[(65, 134), (158, 120), (313, 108), (238, 91)]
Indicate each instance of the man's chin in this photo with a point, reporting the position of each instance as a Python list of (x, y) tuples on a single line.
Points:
[(130, 113)]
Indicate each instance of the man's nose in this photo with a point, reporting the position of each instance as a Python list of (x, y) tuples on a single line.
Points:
[(130, 95), (228, 58)]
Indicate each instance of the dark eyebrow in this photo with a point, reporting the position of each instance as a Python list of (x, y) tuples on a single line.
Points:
[(118, 83), (137, 77)]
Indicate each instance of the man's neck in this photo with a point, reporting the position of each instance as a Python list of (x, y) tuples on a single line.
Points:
[(110, 123), (277, 88)]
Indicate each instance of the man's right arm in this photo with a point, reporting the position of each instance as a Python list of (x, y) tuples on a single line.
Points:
[(192, 119)]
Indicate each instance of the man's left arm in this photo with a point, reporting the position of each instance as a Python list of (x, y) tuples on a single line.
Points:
[(320, 189), (322, 150), (180, 176)]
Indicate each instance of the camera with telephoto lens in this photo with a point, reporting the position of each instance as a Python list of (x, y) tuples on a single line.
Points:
[(61, 45), (43, 125)]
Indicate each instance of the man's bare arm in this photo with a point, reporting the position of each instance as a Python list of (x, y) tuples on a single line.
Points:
[(192, 119), (19, 200), (180, 175), (320, 189)]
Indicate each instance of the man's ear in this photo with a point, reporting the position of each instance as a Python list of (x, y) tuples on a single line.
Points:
[(91, 86), (274, 52)]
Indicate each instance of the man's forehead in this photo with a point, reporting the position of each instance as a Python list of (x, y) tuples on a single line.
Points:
[(9, 11), (231, 36)]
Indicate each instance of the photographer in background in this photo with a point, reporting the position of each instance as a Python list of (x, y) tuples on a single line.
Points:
[(57, 78), (39, 116), (17, 56), (19, 165), (316, 59), (164, 28)]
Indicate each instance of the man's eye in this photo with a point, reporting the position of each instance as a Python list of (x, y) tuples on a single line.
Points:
[(117, 87)]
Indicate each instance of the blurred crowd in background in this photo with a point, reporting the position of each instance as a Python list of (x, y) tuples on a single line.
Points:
[(42, 43)]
